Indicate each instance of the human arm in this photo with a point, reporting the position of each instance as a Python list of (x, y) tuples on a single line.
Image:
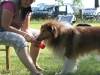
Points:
[(6, 19), (26, 24)]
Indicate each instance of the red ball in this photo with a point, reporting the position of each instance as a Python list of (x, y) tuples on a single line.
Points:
[(42, 46)]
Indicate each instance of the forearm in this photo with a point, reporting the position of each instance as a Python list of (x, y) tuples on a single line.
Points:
[(12, 29), (26, 23), (27, 36)]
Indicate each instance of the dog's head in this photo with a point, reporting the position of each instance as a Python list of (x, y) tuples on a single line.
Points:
[(48, 30)]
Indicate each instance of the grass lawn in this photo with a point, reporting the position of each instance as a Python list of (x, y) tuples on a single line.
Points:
[(88, 65)]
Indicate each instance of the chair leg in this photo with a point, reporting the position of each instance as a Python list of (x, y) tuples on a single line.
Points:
[(7, 57)]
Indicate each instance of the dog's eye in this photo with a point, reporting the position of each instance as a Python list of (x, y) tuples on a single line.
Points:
[(43, 31)]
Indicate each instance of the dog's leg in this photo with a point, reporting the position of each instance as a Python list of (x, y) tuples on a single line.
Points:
[(72, 65), (65, 64), (69, 66)]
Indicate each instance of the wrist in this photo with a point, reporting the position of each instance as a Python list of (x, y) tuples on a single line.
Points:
[(25, 35)]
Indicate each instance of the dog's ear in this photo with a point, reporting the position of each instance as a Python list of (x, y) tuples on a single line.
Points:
[(54, 31)]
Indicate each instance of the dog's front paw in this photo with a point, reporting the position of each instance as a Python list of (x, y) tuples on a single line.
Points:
[(59, 73)]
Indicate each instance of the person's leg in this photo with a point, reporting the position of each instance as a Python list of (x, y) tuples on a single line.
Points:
[(21, 47), (25, 58), (34, 52)]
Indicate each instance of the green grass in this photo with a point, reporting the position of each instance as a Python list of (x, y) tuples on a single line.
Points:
[(88, 65)]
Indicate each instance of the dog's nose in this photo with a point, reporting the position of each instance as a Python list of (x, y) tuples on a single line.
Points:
[(37, 39)]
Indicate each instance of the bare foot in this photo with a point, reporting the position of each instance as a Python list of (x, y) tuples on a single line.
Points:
[(39, 68), (39, 74)]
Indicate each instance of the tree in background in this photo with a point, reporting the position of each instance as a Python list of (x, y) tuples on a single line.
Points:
[(74, 1), (77, 3), (77, 6), (96, 3), (61, 2)]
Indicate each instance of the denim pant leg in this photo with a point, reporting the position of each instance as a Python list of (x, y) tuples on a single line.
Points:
[(13, 39)]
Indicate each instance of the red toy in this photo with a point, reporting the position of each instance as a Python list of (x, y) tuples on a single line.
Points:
[(42, 46)]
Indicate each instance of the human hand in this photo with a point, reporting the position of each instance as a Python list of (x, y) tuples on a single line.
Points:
[(29, 37)]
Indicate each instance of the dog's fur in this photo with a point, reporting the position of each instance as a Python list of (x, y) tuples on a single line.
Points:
[(69, 42)]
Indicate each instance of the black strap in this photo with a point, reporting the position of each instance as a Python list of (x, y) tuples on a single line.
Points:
[(25, 11)]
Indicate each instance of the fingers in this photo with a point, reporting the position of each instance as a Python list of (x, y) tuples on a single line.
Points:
[(29, 38)]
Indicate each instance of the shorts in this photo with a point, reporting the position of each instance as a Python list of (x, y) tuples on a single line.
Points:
[(16, 40)]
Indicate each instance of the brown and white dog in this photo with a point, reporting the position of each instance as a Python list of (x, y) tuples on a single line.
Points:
[(68, 42)]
